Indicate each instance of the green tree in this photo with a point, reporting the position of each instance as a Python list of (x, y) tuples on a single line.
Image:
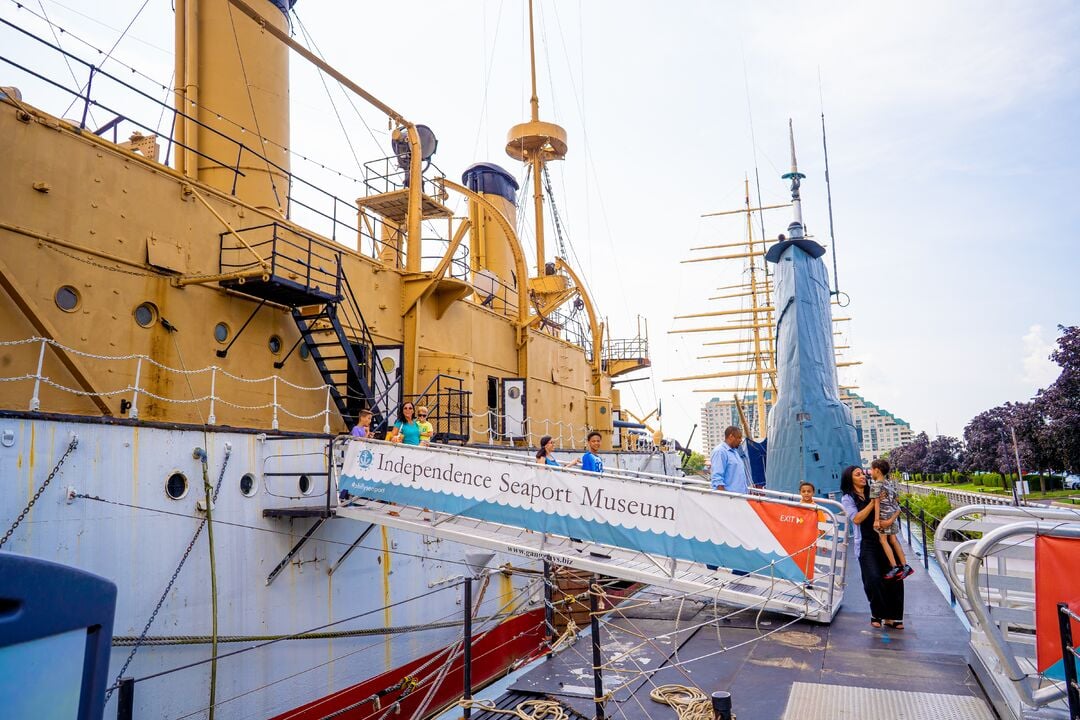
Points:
[(694, 464)]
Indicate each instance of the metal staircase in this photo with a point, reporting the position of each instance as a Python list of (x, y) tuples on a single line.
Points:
[(307, 277)]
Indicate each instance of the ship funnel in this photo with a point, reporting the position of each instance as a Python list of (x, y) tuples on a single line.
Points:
[(232, 97)]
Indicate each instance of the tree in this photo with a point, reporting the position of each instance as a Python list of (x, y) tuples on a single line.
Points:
[(910, 457), (1060, 403), (943, 455), (694, 464)]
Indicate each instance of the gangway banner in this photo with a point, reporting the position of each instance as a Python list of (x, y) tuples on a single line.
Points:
[(1057, 580), (741, 532)]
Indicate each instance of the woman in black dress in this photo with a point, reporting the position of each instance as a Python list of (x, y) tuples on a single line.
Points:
[(886, 596)]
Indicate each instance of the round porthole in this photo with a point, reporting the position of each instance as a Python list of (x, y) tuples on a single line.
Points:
[(146, 314), (603, 409), (176, 486), (388, 365), (221, 332), (274, 344), (247, 485), (305, 484), (304, 352), (67, 298), (514, 393)]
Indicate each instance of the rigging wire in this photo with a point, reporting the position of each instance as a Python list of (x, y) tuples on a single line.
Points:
[(348, 95), (67, 61), (483, 123), (84, 88), (326, 88), (251, 104)]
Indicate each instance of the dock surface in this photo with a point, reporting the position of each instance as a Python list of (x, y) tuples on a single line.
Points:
[(774, 667)]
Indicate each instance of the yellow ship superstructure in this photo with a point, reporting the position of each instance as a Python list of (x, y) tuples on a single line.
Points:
[(177, 289)]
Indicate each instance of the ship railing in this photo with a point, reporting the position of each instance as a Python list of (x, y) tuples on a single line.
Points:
[(386, 175), (295, 256), (448, 404), (307, 202), (568, 436), (987, 555), (134, 395), (571, 325), (378, 381), (625, 349)]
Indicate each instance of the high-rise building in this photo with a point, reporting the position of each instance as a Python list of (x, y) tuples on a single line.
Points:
[(717, 415), (879, 431)]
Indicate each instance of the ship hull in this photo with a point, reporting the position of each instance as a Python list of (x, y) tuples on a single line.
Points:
[(133, 533)]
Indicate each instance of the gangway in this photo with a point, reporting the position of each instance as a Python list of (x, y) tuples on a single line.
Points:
[(748, 551), (1008, 568)]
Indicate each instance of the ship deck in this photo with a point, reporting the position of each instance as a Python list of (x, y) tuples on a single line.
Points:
[(772, 666)]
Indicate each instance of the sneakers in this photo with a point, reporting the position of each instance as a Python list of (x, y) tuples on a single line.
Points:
[(908, 570), (895, 574)]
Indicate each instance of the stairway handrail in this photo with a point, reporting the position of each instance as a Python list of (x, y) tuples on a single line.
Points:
[(348, 299)]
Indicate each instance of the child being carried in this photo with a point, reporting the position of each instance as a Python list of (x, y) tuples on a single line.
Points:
[(886, 513)]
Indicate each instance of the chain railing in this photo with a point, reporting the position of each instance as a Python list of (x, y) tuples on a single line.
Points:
[(137, 392)]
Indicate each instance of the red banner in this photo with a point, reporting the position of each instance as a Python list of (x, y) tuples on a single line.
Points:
[(1057, 579), (795, 528)]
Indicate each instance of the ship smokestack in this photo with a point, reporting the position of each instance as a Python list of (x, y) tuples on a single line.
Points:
[(232, 88)]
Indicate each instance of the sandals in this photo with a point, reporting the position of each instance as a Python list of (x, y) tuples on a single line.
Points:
[(875, 622), (894, 624)]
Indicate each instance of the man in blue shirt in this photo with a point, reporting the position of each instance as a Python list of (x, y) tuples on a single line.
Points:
[(591, 461), (728, 468)]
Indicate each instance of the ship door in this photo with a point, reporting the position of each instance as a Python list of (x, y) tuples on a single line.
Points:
[(513, 402), (389, 396)]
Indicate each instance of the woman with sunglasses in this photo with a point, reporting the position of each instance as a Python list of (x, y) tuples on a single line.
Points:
[(406, 429)]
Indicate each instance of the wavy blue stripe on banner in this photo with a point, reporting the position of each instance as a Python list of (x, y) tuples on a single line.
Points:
[(738, 558)]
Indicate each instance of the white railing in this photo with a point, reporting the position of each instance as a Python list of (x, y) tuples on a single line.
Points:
[(957, 498), (137, 391), (987, 554)]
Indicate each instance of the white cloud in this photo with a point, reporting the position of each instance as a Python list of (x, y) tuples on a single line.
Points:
[(1039, 369)]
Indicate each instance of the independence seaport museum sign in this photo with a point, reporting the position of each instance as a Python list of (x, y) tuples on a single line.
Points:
[(661, 517)]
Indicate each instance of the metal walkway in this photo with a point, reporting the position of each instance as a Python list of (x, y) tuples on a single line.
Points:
[(407, 488)]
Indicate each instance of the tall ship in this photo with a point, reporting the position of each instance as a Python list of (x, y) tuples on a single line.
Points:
[(187, 323)]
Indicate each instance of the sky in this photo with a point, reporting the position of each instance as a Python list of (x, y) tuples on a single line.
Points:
[(952, 155)]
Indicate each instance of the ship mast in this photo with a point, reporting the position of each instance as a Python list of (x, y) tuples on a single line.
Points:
[(756, 318), (535, 142)]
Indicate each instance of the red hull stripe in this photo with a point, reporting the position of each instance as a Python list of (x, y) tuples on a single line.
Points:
[(493, 654)]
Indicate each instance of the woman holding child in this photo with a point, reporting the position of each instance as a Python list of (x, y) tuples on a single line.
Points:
[(886, 596)]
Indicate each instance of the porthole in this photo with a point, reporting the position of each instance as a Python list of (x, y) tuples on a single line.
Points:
[(603, 409), (388, 365), (221, 332), (274, 344), (247, 485), (305, 484), (304, 352), (146, 314), (176, 486), (67, 298)]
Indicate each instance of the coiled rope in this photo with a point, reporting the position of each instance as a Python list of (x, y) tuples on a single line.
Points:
[(689, 703), (526, 710)]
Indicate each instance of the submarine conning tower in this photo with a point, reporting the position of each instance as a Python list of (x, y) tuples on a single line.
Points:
[(811, 433)]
